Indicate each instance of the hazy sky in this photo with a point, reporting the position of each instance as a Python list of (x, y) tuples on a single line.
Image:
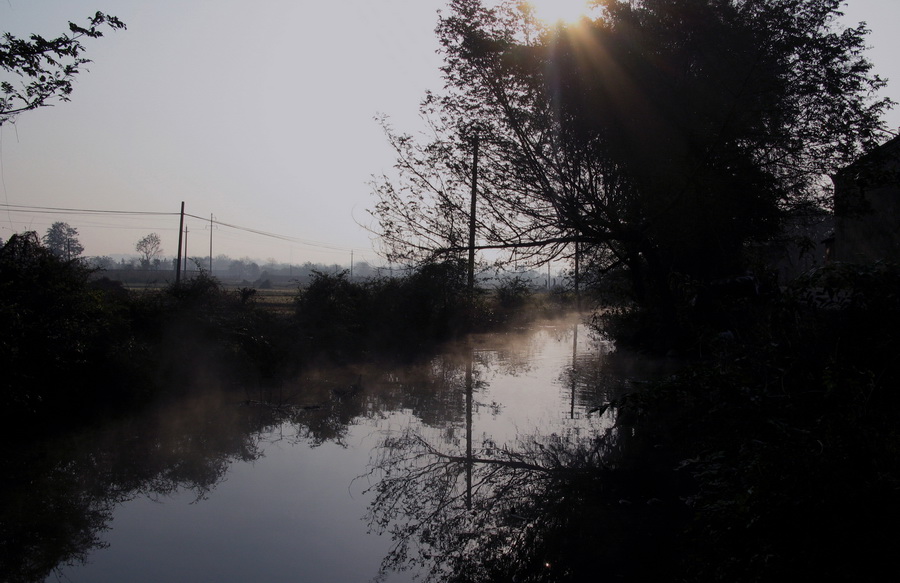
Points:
[(260, 113)]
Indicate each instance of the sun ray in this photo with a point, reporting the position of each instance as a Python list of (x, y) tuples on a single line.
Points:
[(553, 11)]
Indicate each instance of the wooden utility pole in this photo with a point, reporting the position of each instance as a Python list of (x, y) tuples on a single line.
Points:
[(210, 243), (180, 231), (471, 291), (471, 282)]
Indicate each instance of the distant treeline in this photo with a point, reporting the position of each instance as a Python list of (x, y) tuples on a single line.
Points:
[(272, 274), (229, 268)]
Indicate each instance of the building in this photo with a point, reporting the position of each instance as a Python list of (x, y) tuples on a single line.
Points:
[(867, 207)]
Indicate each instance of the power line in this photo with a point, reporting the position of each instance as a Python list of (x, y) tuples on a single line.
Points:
[(287, 238), (102, 212), (45, 210)]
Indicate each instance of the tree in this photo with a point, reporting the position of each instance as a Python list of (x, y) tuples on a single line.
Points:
[(62, 240), (54, 328), (150, 248), (47, 68), (663, 136)]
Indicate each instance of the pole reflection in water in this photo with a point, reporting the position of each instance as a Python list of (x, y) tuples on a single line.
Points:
[(469, 398), (217, 490), (529, 508), (574, 363), (552, 503), (505, 508)]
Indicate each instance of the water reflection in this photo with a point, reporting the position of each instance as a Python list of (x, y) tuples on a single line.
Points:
[(509, 513), (539, 507), (477, 454), (494, 512), (58, 498)]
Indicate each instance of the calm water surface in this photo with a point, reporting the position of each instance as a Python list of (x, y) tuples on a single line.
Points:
[(279, 486)]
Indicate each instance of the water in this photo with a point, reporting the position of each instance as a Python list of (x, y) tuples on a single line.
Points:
[(281, 486), (291, 515)]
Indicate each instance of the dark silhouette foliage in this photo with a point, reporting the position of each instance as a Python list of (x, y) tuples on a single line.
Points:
[(513, 292), (75, 347), (384, 316), (60, 335), (789, 431), (663, 136), (150, 248), (47, 67), (62, 240)]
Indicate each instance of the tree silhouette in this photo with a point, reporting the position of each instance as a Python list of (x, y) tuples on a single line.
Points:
[(662, 136), (150, 248), (62, 240), (47, 67)]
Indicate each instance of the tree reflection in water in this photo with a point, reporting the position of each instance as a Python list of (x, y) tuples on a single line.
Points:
[(569, 505), (532, 513), (58, 498)]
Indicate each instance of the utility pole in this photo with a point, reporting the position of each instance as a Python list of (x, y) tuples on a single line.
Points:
[(351, 265), (185, 250), (210, 243), (471, 290), (471, 282), (178, 260)]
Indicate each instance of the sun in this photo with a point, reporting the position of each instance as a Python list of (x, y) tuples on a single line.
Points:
[(553, 11)]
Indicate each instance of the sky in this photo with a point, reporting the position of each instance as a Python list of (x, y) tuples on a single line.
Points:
[(259, 113)]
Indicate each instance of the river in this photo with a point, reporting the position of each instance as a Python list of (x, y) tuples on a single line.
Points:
[(308, 482)]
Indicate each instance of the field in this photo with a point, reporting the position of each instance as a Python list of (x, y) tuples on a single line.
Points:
[(276, 299), (279, 300)]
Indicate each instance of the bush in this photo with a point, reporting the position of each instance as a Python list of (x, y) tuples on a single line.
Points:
[(385, 316), (74, 349), (62, 337), (333, 313), (513, 292), (199, 332)]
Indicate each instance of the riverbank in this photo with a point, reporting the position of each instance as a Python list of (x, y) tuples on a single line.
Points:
[(78, 349)]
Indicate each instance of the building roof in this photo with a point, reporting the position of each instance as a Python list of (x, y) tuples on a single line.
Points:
[(870, 167)]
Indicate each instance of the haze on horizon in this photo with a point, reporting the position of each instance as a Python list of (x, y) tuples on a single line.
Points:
[(261, 115)]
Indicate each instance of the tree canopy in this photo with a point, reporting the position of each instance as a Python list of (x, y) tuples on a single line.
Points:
[(46, 68), (62, 240), (663, 135)]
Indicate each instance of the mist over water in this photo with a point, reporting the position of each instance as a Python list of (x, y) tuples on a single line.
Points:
[(279, 485)]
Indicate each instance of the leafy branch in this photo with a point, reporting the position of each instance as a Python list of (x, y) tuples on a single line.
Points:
[(46, 67)]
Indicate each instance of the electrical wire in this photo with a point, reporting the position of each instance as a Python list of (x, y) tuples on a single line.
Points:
[(30, 209), (287, 238)]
